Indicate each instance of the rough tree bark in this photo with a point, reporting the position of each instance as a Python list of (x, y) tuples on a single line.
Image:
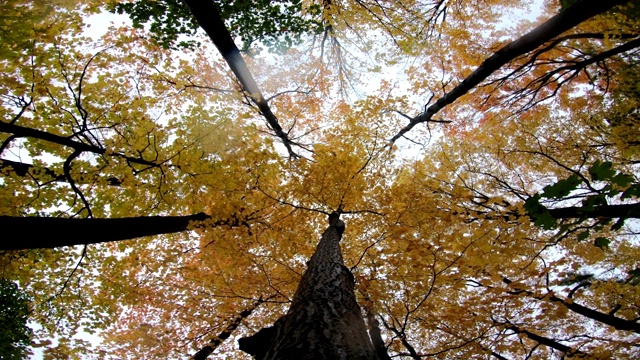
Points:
[(324, 320)]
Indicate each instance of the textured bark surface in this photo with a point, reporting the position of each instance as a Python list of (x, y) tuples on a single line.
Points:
[(324, 320)]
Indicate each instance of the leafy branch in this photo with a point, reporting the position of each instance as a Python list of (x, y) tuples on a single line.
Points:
[(594, 205), (565, 20)]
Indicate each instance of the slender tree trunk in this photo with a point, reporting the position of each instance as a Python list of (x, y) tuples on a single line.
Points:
[(210, 21), (42, 232), (207, 350), (324, 320)]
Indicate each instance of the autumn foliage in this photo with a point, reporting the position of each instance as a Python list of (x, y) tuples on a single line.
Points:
[(483, 155)]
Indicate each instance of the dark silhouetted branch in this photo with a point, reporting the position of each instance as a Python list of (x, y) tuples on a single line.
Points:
[(44, 232), (207, 350), (210, 21), (565, 20)]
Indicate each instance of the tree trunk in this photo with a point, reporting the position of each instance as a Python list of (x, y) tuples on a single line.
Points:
[(210, 21), (324, 320), (42, 232)]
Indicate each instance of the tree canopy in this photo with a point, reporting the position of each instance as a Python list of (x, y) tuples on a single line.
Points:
[(164, 183), (15, 334)]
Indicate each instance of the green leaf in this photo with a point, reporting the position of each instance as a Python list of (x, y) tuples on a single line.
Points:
[(15, 335), (583, 235), (277, 24), (622, 180), (590, 202), (545, 220), (600, 171), (602, 243), (632, 191), (539, 213), (561, 188), (533, 206)]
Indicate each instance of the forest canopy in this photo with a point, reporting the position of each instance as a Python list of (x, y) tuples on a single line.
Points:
[(165, 179)]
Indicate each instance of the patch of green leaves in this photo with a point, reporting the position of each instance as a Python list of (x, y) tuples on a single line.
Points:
[(601, 171), (168, 20), (602, 243), (634, 276), (277, 24), (631, 192), (15, 335), (561, 188), (616, 184), (539, 213)]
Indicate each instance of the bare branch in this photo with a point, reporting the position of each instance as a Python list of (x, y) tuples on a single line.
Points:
[(22, 131)]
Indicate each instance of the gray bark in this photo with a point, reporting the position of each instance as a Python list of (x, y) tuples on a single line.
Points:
[(324, 320)]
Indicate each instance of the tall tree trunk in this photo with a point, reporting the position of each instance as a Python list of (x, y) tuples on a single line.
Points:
[(34, 232), (324, 320), (208, 17)]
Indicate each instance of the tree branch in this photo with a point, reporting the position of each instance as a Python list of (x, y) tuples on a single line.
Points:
[(22, 131), (22, 169), (210, 21), (545, 341), (623, 211), (44, 232), (613, 321), (565, 20), (207, 350)]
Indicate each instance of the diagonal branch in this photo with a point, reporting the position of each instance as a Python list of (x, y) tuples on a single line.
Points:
[(565, 73), (22, 169), (403, 338), (207, 350), (613, 321), (21, 131), (210, 21), (570, 352), (565, 20)]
